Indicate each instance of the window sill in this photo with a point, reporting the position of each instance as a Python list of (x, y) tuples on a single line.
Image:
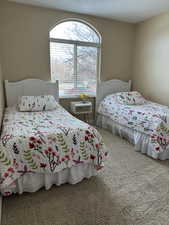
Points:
[(74, 96)]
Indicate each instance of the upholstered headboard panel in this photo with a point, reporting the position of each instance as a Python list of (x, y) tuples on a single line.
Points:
[(29, 87)]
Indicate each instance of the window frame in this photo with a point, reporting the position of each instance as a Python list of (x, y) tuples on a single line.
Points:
[(76, 43)]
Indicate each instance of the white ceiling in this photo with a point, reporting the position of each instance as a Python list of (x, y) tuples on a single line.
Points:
[(125, 10)]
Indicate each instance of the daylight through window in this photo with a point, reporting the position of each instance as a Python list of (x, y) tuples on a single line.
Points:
[(74, 58)]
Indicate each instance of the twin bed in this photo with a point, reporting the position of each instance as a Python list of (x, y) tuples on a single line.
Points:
[(42, 148), (145, 125), (46, 147)]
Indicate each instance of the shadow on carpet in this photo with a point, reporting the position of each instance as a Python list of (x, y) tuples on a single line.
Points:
[(133, 189)]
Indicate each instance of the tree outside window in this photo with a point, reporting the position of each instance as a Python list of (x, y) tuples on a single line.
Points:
[(74, 57)]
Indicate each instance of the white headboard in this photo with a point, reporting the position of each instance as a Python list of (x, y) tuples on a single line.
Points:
[(29, 87), (105, 88)]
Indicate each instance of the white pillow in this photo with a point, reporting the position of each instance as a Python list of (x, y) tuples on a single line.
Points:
[(37, 103), (130, 98)]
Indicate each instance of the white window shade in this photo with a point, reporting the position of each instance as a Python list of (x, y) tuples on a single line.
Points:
[(62, 66), (75, 67)]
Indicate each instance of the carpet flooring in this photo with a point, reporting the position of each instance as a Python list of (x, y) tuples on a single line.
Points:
[(133, 189)]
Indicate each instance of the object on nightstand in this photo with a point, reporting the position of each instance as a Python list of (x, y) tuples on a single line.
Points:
[(80, 107), (84, 97)]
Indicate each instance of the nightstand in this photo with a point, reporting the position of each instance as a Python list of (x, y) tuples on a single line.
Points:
[(81, 108)]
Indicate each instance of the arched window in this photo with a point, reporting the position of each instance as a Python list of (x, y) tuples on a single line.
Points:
[(74, 58)]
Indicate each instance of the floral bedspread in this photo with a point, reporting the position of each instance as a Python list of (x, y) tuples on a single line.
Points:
[(149, 118), (46, 142)]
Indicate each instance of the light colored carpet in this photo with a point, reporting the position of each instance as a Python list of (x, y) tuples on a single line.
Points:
[(132, 190)]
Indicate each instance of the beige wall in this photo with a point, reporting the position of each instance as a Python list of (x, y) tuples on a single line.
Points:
[(25, 50), (151, 64), (24, 42)]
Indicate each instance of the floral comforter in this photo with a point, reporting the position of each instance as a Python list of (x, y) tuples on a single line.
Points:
[(149, 118), (46, 142)]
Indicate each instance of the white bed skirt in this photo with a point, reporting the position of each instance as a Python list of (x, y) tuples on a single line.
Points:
[(31, 182), (140, 140)]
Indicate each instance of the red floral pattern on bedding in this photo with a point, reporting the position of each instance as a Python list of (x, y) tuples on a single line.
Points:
[(46, 142)]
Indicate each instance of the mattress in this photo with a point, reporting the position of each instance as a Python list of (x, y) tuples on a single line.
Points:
[(46, 143)]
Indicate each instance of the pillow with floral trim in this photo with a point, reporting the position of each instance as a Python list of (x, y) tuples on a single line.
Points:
[(37, 103), (130, 98), (112, 98)]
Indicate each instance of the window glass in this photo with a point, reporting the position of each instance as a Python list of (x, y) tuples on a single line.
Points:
[(73, 30), (74, 64)]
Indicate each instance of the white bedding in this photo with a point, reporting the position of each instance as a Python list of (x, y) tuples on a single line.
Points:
[(151, 119), (46, 143), (144, 118), (32, 182), (141, 141)]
